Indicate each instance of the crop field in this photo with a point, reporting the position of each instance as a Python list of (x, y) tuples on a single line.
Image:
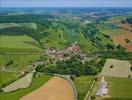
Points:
[(120, 88), (83, 85), (116, 68), (114, 20), (20, 62), (23, 82), (5, 77), (125, 26), (28, 25), (16, 95), (55, 89), (118, 36), (18, 44)]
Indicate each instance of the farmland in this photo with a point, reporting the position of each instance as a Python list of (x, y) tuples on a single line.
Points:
[(116, 68), (84, 45), (120, 88), (56, 89), (36, 83), (125, 26), (18, 44), (83, 84), (28, 25), (6, 77), (23, 82), (20, 62)]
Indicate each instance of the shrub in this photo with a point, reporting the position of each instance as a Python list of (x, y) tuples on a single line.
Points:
[(111, 66), (129, 76), (9, 63), (73, 77), (93, 97)]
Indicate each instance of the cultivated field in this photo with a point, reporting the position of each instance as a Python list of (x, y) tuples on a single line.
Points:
[(16, 95), (116, 68), (5, 77), (55, 89), (120, 88), (119, 36), (125, 26), (28, 25), (83, 85), (20, 62), (20, 83), (18, 44)]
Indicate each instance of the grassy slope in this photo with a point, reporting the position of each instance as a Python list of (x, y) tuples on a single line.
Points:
[(7, 76), (28, 25), (83, 84), (17, 44), (120, 88), (19, 61), (16, 95), (59, 38)]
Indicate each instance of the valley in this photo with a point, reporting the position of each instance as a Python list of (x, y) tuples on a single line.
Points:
[(66, 53)]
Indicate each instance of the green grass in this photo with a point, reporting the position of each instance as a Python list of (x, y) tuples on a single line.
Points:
[(16, 95), (83, 85), (120, 88), (6, 77), (18, 44), (27, 25), (60, 38), (19, 61)]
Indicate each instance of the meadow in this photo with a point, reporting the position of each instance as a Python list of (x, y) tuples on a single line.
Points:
[(28, 25), (83, 84), (5, 77), (20, 62), (120, 88), (16, 95), (18, 44)]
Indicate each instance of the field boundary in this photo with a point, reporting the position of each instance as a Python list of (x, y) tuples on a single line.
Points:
[(89, 91)]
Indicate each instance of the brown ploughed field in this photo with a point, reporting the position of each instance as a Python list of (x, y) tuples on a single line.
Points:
[(55, 89)]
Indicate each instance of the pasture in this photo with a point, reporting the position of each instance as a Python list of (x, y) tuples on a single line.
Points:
[(5, 77), (23, 82), (18, 44), (16, 95), (20, 62), (116, 68), (55, 89), (27, 25), (83, 84), (120, 88)]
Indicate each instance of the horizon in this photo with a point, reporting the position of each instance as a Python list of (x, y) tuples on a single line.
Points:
[(66, 3)]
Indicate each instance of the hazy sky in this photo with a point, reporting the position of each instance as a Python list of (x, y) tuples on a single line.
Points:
[(66, 3)]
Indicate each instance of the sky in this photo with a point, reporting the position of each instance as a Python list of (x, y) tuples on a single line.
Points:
[(65, 3)]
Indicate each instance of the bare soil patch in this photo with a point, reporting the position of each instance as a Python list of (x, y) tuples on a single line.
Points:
[(55, 89)]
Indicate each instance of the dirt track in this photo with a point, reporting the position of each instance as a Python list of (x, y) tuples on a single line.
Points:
[(55, 89)]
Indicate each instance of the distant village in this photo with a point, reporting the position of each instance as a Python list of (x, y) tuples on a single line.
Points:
[(63, 55)]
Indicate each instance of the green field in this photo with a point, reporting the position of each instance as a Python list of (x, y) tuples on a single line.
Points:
[(83, 85), (59, 39), (18, 44), (27, 25), (120, 88), (6, 77), (19, 61), (16, 95)]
